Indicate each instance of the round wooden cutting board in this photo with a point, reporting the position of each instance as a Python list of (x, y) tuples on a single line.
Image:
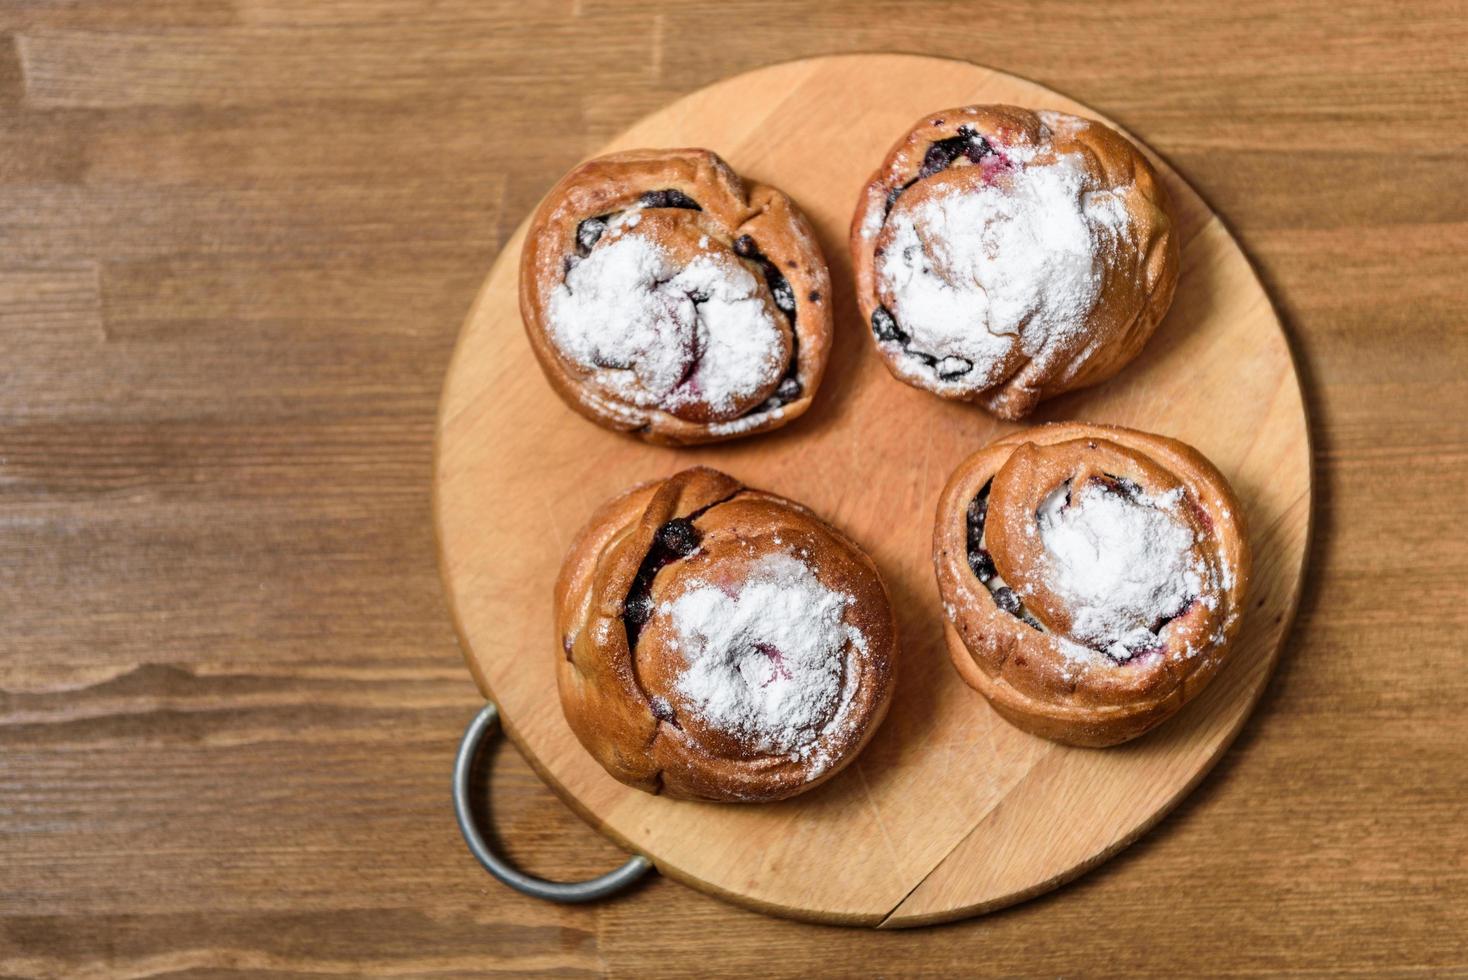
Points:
[(949, 811)]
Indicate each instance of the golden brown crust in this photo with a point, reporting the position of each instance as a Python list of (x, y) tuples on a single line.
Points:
[(620, 695), (1027, 675), (1138, 277), (729, 208)]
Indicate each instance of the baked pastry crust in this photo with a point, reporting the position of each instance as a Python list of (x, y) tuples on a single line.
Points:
[(690, 205), (1095, 325), (1027, 661), (619, 670)]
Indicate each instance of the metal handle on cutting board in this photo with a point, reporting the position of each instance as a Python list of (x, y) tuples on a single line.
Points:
[(569, 892)]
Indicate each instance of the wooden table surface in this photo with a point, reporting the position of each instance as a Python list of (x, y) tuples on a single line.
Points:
[(237, 240)]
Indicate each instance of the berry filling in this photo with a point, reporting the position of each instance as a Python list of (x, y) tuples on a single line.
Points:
[(1111, 483), (784, 296), (745, 248), (662, 710), (979, 559), (679, 537), (967, 144), (941, 154), (668, 198), (886, 330), (675, 539), (589, 232), (1005, 599), (778, 670)]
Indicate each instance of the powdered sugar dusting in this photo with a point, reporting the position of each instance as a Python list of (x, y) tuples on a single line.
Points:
[(746, 422), (1123, 563), (871, 222), (660, 336), (1062, 123), (1016, 264), (773, 665)]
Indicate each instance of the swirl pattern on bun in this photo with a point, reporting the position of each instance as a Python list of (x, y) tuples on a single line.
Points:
[(666, 297), (1093, 578)]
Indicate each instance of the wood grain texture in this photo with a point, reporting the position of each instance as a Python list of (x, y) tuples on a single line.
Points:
[(953, 811), (230, 687)]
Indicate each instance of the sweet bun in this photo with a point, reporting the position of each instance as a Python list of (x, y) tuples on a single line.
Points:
[(720, 643), (1004, 256)]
